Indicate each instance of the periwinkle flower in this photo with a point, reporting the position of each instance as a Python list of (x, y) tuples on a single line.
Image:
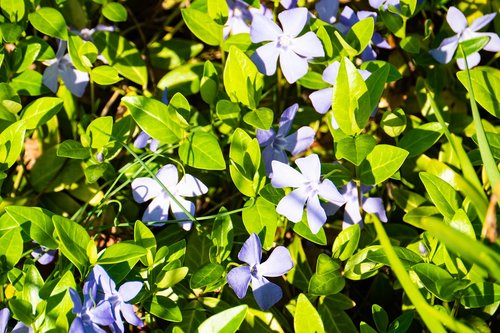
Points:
[(322, 99), (143, 138), (265, 292), (76, 81), (309, 188), (90, 316), (376, 4), (86, 33), (144, 189), (458, 23), (4, 321), (43, 255), (327, 10), (352, 209), (277, 143), (292, 51), (239, 16), (348, 18)]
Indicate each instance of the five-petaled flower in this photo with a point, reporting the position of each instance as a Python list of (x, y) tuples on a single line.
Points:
[(293, 52), (265, 292), (76, 81), (309, 189), (276, 143), (352, 209), (144, 189), (458, 23)]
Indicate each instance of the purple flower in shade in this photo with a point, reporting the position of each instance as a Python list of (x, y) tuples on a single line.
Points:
[(385, 3), (458, 23), (76, 81), (117, 298), (143, 138), (293, 52), (239, 16), (144, 189), (276, 143), (309, 189), (265, 292), (352, 209), (43, 255), (4, 321), (327, 10), (348, 18), (322, 99)]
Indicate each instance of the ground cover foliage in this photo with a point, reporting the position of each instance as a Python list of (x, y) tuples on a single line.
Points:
[(222, 166)]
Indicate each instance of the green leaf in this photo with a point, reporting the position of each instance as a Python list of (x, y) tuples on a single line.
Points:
[(115, 12), (351, 99), (73, 242), (411, 44), (227, 321), (242, 80), (260, 118), (460, 221), (486, 83), (346, 243), (218, 10), (33, 282), (262, 219), (11, 246), (209, 85), (73, 149), (201, 150), (120, 252), (361, 33), (164, 308), (407, 257), (393, 123), (105, 75), (40, 111), (336, 321), (328, 278), (122, 55), (480, 294), (375, 84), (206, 275), (29, 83), (228, 112), (179, 105), (202, 26), (11, 143), (99, 131), (473, 45), (169, 278), (380, 318), (22, 311), (301, 272), (402, 323), (359, 266), (303, 230), (184, 79), (170, 54), (154, 118), (79, 60), (381, 163), (36, 222), (306, 318), (14, 9), (435, 280), (442, 194), (50, 22), (222, 235), (355, 149), (419, 139), (144, 237)]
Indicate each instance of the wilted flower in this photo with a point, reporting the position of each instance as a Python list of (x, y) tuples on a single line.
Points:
[(322, 99), (76, 81), (458, 23), (327, 10), (309, 189), (144, 189), (90, 316), (293, 52), (143, 138), (352, 209), (276, 143), (265, 292)]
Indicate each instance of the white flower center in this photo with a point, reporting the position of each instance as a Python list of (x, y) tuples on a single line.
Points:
[(237, 12), (284, 41)]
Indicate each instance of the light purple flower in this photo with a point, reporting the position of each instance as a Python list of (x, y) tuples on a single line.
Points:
[(352, 209), (322, 99), (143, 138), (106, 290), (240, 15), (265, 292), (144, 189), (348, 18), (86, 33), (276, 143), (76, 81), (309, 189), (293, 51), (384, 3), (4, 321), (327, 10), (43, 255), (289, 4), (458, 23)]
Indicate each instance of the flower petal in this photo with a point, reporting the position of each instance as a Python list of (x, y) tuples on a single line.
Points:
[(178, 211), (293, 20), (472, 60), (157, 210), (494, 42), (4, 319), (376, 3), (362, 14), (328, 191), (49, 77), (76, 326), (271, 154), (190, 186), (310, 167), (130, 315), (129, 290), (102, 314), (299, 141), (456, 20), (330, 73), (292, 205), (75, 80), (263, 29), (322, 100), (265, 138), (308, 45), (142, 140), (482, 21), (348, 18), (375, 206), (168, 175), (327, 10), (286, 176), (316, 215), (330, 208), (368, 53), (77, 302), (278, 263), (266, 58), (293, 66), (380, 42), (286, 119), (239, 279), (251, 252), (445, 51), (153, 145), (351, 214), (21, 328), (266, 293), (144, 189)]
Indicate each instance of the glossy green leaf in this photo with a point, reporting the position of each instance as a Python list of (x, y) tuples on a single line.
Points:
[(11, 246), (22, 310), (486, 84), (164, 308), (301, 272), (361, 33), (201, 150), (228, 112), (435, 279), (393, 123), (407, 257), (14, 9), (99, 131), (261, 118), (115, 12), (73, 149), (480, 294), (184, 79), (375, 84), (36, 222), (402, 323), (202, 26), (169, 278), (120, 252), (380, 318), (472, 45), (105, 75), (206, 275), (442, 194), (144, 237), (29, 83), (381, 163), (346, 243), (303, 230), (40, 111), (50, 22), (419, 139), (336, 321), (209, 85), (306, 318), (227, 321), (262, 219), (12, 143), (359, 266), (355, 149), (222, 235), (328, 278), (218, 10)]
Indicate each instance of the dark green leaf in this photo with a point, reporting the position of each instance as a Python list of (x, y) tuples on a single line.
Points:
[(206, 275)]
